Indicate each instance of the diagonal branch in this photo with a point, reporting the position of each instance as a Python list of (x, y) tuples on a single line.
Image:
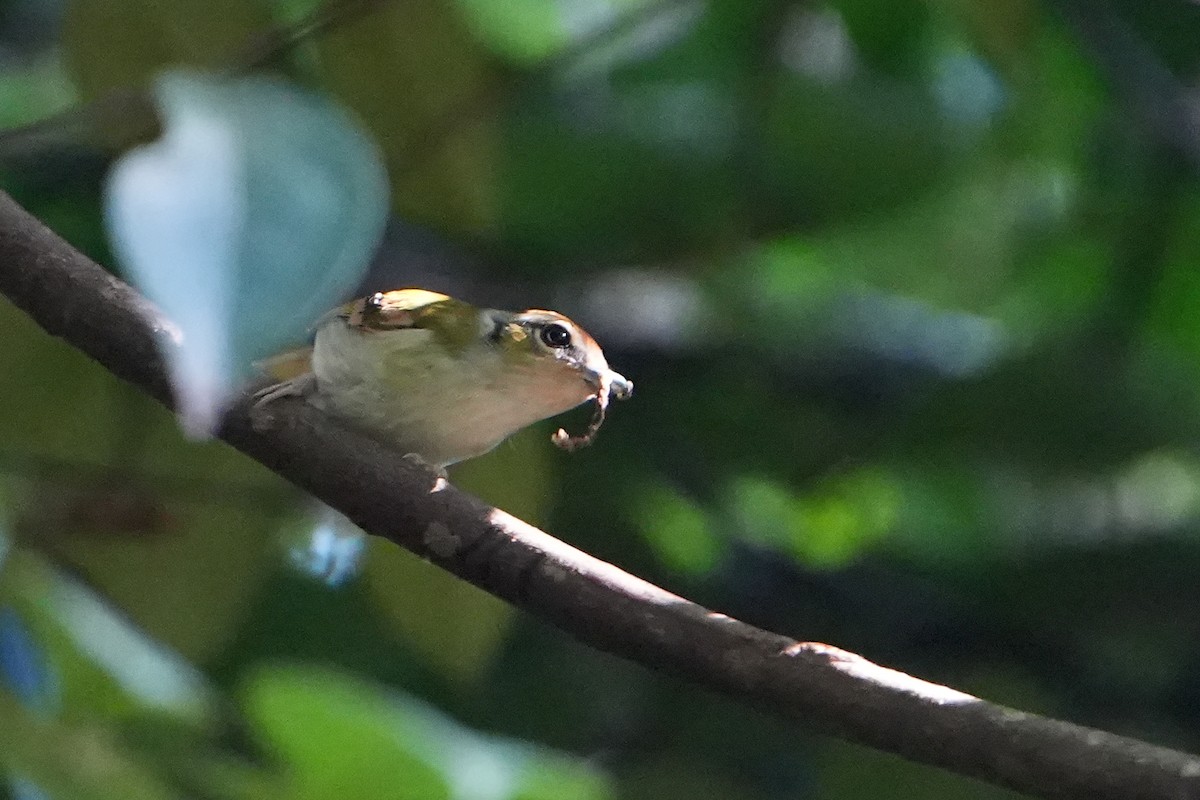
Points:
[(815, 684)]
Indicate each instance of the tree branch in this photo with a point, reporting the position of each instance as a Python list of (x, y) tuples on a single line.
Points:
[(1152, 95), (818, 685)]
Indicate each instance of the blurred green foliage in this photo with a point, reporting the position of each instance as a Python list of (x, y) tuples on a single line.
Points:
[(909, 293), (255, 212)]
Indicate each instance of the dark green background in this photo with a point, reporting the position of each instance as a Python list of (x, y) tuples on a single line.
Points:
[(909, 291)]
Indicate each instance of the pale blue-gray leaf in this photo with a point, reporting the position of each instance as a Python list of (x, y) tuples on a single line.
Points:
[(256, 211)]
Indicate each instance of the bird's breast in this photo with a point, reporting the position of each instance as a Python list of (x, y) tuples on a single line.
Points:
[(403, 387)]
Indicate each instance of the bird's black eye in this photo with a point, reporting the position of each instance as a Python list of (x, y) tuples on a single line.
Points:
[(555, 335)]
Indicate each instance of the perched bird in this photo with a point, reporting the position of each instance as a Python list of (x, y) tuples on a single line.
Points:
[(443, 380)]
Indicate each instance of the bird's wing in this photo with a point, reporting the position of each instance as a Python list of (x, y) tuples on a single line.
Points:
[(400, 308), (394, 310), (286, 366)]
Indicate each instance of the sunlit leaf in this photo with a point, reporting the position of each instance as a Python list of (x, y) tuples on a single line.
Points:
[(253, 214), (523, 30), (323, 724), (763, 510), (554, 778), (334, 733), (532, 31), (826, 527), (36, 91), (680, 532), (838, 521)]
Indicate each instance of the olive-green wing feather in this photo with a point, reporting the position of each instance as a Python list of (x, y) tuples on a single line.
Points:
[(401, 308), (452, 321)]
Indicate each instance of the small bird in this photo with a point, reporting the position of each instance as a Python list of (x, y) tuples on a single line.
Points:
[(443, 380)]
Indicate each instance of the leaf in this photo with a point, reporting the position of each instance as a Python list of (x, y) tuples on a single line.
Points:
[(680, 532), (103, 470), (52, 382), (120, 44), (71, 761), (549, 777), (104, 664), (826, 528), (531, 31), (209, 562), (32, 92), (426, 89), (936, 280), (255, 212), (523, 30), (454, 626), (335, 734), (888, 34)]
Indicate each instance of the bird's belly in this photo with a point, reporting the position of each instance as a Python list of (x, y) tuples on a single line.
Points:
[(407, 393)]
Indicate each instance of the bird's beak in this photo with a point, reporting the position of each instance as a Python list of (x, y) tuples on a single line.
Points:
[(619, 386), (611, 383)]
